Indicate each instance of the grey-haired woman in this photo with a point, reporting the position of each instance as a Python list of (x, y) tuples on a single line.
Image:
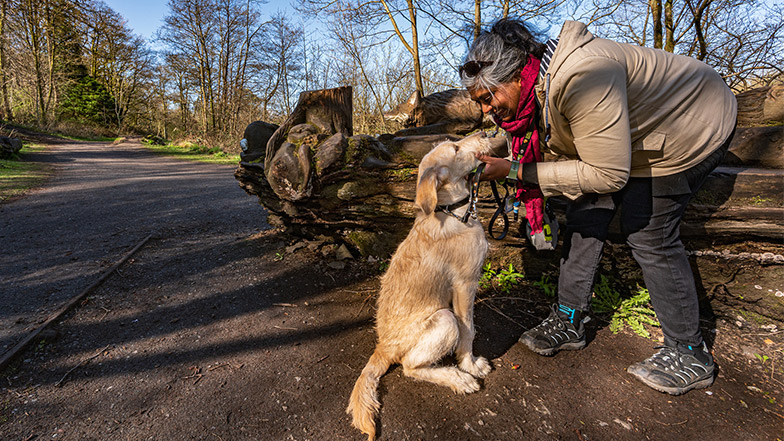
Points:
[(642, 129)]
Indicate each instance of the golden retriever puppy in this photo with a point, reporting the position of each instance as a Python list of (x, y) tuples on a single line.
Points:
[(425, 309)]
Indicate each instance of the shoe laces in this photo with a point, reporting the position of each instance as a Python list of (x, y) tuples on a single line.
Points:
[(667, 358), (551, 324)]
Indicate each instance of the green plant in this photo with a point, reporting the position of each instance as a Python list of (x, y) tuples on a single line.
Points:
[(508, 278), (278, 257), (605, 297), (41, 347), (488, 274), (634, 312), (762, 358), (383, 265), (549, 287), (503, 279)]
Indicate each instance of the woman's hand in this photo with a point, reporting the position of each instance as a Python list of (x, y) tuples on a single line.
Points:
[(495, 168)]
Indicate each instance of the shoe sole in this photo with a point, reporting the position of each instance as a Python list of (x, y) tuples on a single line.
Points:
[(701, 384), (570, 346)]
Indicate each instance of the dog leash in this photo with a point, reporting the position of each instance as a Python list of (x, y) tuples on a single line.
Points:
[(471, 199), (500, 211)]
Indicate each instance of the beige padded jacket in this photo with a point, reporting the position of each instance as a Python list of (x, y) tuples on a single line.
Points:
[(618, 110)]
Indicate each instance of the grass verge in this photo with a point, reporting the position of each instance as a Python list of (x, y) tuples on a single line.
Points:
[(18, 175), (194, 153), (86, 138)]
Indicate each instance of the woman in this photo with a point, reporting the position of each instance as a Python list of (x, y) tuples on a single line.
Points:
[(642, 128)]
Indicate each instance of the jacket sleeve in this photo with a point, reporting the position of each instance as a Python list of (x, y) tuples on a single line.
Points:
[(592, 97)]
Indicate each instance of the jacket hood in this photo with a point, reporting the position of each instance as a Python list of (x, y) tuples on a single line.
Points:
[(573, 36)]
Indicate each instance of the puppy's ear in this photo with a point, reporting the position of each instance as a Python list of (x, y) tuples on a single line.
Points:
[(427, 190)]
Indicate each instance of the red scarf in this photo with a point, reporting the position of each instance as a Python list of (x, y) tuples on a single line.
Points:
[(530, 195)]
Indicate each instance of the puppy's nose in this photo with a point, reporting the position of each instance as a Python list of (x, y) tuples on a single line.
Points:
[(483, 134)]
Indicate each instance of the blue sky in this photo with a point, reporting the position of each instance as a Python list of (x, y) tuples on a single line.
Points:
[(146, 16)]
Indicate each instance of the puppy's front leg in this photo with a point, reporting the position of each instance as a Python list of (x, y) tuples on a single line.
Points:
[(463, 304)]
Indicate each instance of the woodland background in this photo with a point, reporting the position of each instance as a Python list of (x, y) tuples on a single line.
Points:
[(74, 66)]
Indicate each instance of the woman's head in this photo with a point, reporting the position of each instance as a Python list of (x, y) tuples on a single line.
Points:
[(497, 56), (491, 69)]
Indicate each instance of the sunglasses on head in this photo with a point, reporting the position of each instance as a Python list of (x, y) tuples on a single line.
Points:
[(472, 68)]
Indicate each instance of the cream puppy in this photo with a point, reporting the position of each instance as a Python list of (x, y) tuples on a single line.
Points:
[(425, 307)]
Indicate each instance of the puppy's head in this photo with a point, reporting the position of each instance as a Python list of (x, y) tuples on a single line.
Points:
[(443, 171)]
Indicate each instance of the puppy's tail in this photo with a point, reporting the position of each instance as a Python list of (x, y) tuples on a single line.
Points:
[(363, 404)]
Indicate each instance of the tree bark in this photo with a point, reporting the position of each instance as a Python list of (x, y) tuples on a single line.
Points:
[(669, 27), (288, 157), (415, 47), (477, 18), (761, 106), (6, 113), (656, 14)]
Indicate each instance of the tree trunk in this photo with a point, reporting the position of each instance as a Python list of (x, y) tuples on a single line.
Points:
[(477, 18), (669, 27), (415, 46), (6, 112), (761, 106), (656, 15), (288, 157)]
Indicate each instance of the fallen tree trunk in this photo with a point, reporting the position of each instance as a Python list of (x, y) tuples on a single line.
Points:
[(760, 106), (316, 178), (761, 147)]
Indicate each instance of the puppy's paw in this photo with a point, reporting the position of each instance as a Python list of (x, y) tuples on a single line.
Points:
[(465, 383), (479, 367)]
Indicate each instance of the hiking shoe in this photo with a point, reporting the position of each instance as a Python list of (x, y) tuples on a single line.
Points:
[(676, 370), (553, 334)]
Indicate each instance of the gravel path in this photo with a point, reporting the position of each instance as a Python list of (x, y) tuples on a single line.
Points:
[(104, 199)]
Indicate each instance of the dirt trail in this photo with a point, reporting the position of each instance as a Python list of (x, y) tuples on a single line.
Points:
[(103, 200), (215, 331)]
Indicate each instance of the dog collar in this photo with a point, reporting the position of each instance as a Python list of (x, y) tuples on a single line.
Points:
[(448, 209), (470, 199)]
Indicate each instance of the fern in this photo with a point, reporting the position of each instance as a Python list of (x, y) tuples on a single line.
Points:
[(616, 324), (634, 312), (606, 299)]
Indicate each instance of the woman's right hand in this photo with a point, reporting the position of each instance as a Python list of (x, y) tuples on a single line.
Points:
[(495, 168)]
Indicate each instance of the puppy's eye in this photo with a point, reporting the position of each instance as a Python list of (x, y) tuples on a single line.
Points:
[(457, 148)]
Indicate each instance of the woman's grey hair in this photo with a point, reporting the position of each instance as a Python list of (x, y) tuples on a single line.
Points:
[(506, 46)]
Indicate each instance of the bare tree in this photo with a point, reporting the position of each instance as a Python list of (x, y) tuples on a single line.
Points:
[(31, 22), (5, 111), (189, 28), (740, 38), (386, 19)]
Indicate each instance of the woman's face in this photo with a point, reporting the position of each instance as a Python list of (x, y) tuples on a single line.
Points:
[(501, 101)]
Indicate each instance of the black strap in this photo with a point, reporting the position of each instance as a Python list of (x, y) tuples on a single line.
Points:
[(500, 211), (452, 206)]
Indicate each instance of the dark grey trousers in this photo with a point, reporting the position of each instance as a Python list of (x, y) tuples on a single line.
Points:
[(651, 210)]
